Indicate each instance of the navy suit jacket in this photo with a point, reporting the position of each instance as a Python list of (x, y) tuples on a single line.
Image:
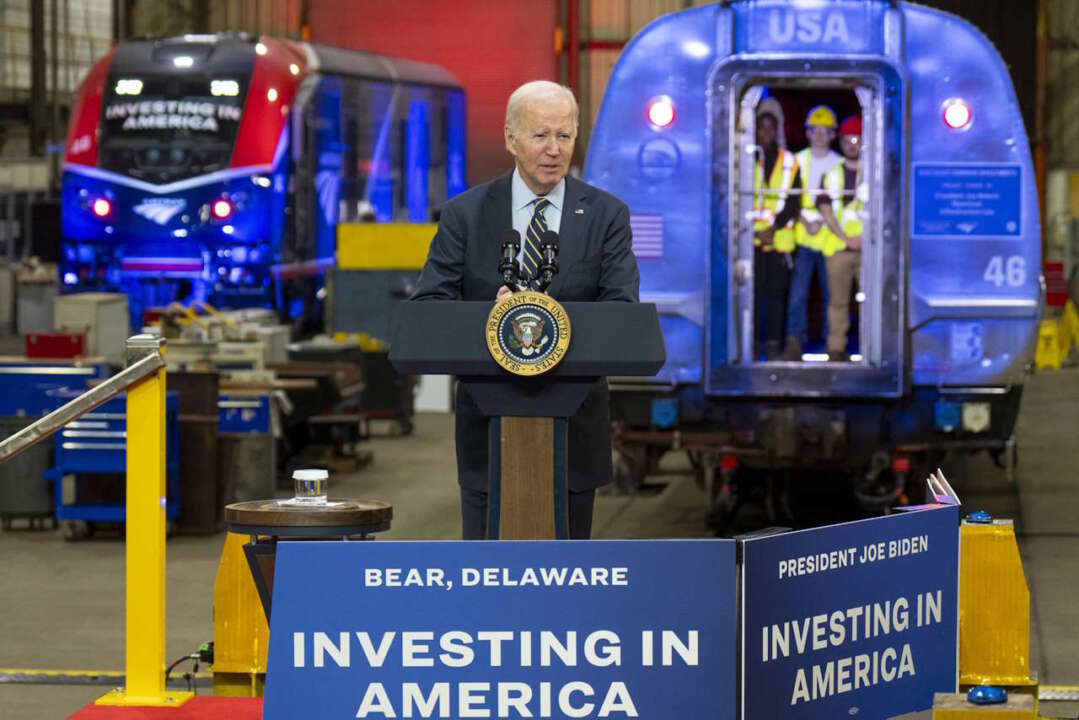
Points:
[(596, 263)]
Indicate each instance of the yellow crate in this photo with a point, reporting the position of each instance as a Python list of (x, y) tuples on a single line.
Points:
[(994, 607), (383, 246), (241, 635)]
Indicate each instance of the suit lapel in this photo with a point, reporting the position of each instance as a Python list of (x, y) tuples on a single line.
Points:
[(571, 239), (497, 218)]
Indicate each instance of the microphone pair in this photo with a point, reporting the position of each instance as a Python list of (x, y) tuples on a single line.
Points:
[(510, 269)]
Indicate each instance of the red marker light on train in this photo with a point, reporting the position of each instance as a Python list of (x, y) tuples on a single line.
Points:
[(957, 114), (222, 209), (101, 207), (661, 111)]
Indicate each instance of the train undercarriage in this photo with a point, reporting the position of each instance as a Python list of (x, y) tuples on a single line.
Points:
[(747, 449)]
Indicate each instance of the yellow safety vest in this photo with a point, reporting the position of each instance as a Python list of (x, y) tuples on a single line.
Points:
[(802, 237), (850, 216), (770, 198)]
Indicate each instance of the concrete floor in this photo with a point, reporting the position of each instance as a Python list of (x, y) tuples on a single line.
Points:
[(64, 602)]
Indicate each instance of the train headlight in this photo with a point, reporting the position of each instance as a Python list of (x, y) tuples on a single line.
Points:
[(661, 111), (128, 86), (957, 113), (221, 209), (224, 88), (101, 207)]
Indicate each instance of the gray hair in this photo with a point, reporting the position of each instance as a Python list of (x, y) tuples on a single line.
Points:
[(538, 90)]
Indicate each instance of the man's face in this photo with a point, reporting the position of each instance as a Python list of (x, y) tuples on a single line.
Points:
[(766, 131), (820, 138), (851, 145), (542, 142)]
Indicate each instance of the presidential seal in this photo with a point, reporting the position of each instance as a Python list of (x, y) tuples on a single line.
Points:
[(528, 333)]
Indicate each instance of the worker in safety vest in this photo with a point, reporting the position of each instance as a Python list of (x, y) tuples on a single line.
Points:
[(775, 209), (842, 205), (811, 235)]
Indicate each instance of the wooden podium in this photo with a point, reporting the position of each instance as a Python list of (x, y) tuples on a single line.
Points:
[(528, 444)]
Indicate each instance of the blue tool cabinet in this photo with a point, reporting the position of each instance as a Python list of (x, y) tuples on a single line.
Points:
[(96, 444)]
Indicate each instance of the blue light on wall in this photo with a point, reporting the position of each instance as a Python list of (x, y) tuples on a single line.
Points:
[(418, 148), (455, 144)]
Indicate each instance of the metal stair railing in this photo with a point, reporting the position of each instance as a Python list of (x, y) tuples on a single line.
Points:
[(144, 381)]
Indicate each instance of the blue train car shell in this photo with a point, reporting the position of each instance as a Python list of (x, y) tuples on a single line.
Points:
[(966, 293)]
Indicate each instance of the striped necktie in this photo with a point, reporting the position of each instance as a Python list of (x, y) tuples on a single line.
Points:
[(530, 259)]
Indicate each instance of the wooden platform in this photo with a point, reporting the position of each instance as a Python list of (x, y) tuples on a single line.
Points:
[(950, 706)]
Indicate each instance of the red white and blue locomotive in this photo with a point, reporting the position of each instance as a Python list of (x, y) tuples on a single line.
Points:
[(216, 167)]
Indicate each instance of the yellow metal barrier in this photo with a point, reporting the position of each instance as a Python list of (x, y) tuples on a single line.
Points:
[(241, 635), (145, 545), (383, 246), (994, 608), (1047, 356), (1056, 339)]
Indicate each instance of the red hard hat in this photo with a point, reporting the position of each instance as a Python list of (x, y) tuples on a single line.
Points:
[(851, 126)]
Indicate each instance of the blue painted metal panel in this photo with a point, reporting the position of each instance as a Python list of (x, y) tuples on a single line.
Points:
[(27, 389), (243, 414)]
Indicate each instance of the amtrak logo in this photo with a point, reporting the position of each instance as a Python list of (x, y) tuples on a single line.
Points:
[(528, 333), (160, 210)]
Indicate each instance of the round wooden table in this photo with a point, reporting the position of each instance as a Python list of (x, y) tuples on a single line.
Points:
[(267, 521), (283, 518)]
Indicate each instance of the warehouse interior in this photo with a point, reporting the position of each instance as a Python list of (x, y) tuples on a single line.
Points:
[(285, 364)]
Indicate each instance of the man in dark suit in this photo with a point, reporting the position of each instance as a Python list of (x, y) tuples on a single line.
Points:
[(596, 264)]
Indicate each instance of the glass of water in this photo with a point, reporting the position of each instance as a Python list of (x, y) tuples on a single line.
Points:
[(310, 486)]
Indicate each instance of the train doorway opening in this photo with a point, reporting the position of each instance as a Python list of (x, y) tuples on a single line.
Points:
[(809, 199)]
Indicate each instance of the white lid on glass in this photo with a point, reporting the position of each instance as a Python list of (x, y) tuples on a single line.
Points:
[(310, 474)]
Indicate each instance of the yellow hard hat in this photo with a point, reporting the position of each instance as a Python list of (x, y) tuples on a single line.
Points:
[(821, 116)]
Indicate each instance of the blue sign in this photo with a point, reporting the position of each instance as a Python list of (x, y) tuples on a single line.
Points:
[(510, 629), (967, 199), (854, 620)]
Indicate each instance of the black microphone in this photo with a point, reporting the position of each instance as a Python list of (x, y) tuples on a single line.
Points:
[(509, 268), (548, 266)]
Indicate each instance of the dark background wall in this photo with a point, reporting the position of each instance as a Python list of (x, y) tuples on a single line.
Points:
[(491, 46)]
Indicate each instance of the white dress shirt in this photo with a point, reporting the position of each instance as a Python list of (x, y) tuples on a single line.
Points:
[(521, 197)]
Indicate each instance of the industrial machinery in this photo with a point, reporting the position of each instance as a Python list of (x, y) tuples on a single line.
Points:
[(216, 167), (945, 319)]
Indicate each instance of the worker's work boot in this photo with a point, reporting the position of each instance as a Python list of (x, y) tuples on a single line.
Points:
[(773, 350), (792, 351)]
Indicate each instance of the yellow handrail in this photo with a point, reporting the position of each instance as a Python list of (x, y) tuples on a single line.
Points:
[(144, 381), (145, 546)]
